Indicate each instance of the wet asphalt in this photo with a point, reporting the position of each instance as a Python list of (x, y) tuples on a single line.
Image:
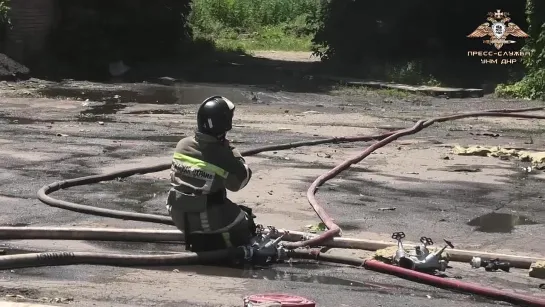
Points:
[(328, 285)]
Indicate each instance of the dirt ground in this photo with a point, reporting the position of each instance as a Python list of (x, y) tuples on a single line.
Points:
[(295, 56), (479, 203)]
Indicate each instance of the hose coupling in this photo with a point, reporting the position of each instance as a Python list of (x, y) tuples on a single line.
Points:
[(263, 248), (490, 265)]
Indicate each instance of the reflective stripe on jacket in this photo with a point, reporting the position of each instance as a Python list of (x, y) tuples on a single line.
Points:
[(203, 168)]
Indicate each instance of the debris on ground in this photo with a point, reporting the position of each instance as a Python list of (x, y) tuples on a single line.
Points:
[(465, 169), (309, 112), (537, 158), (387, 209), (387, 254), (537, 270), (494, 135), (11, 70), (315, 228)]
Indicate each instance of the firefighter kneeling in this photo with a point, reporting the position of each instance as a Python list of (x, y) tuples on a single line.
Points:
[(204, 167)]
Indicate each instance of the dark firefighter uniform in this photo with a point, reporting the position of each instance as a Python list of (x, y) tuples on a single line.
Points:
[(204, 166)]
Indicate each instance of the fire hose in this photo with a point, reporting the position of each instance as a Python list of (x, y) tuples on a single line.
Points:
[(327, 238)]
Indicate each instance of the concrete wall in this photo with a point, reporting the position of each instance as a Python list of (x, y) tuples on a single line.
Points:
[(32, 22)]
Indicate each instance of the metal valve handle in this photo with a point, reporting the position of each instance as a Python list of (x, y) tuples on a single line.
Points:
[(427, 241), (448, 243), (398, 235)]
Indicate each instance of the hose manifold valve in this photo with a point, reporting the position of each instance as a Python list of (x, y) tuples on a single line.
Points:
[(263, 248), (421, 259)]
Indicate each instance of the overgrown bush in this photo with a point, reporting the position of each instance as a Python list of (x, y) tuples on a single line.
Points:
[(368, 38), (94, 33), (533, 84), (265, 23), (4, 9), (211, 16), (4, 20)]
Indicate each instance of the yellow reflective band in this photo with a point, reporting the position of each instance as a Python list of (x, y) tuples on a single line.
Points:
[(199, 164), (227, 238)]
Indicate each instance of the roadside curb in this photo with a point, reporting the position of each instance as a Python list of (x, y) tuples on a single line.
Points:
[(426, 90)]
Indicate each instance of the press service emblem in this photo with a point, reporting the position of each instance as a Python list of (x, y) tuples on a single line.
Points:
[(498, 27)]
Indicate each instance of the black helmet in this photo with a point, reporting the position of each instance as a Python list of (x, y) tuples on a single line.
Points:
[(215, 115)]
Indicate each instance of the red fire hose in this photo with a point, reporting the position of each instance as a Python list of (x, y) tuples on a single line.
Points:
[(457, 285), (333, 229), (423, 278)]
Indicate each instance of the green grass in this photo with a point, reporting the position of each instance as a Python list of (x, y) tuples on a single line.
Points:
[(372, 92), (532, 86), (255, 24), (267, 38)]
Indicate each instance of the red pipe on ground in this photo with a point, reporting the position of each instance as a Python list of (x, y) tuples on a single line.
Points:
[(423, 278), (522, 300), (333, 229)]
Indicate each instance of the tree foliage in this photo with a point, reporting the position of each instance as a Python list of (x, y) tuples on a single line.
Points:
[(4, 20), (92, 33), (532, 84), (422, 36)]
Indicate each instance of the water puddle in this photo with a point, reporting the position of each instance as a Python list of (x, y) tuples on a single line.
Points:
[(297, 271), (165, 138), (68, 170), (460, 169), (152, 95), (499, 222), (20, 120), (143, 93), (16, 120), (172, 138), (105, 108), (100, 112), (300, 271), (159, 112), (133, 194)]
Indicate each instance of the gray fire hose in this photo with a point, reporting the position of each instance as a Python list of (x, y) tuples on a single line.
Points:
[(56, 258)]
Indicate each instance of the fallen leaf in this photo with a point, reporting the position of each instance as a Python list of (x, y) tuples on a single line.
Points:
[(314, 228)]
